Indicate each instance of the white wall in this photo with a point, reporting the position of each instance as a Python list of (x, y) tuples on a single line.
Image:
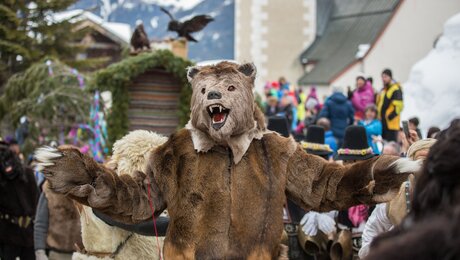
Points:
[(409, 36), (273, 34)]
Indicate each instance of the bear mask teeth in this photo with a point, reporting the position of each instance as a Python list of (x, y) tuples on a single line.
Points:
[(218, 114)]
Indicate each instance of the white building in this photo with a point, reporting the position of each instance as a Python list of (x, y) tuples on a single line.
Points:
[(392, 33), (272, 34)]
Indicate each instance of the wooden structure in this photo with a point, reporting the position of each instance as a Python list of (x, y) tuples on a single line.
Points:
[(154, 102)]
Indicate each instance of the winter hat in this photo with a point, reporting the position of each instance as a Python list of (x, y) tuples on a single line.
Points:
[(420, 145), (361, 76), (355, 146), (314, 143), (337, 89), (371, 107)]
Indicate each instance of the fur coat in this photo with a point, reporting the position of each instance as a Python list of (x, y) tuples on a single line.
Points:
[(224, 178)]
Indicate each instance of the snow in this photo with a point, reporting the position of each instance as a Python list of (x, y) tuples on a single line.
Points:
[(432, 92), (121, 30), (183, 5), (215, 36), (154, 22), (129, 6)]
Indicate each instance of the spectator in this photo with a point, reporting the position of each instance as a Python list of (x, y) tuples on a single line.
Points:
[(18, 200), (340, 113), (57, 226), (362, 96), (432, 132), (272, 106), (391, 148), (373, 127), (387, 215), (328, 136), (287, 109), (312, 101), (431, 228), (390, 105), (301, 106), (413, 123)]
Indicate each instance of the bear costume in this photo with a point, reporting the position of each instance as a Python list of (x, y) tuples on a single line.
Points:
[(224, 178)]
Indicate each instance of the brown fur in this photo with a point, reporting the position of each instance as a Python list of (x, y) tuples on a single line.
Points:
[(224, 189), (240, 102), (64, 222)]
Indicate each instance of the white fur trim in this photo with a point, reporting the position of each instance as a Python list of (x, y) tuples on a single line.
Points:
[(405, 165), (45, 157)]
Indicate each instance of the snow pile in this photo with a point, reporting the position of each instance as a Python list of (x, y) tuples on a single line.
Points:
[(433, 90)]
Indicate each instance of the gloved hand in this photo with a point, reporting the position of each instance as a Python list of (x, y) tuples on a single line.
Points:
[(40, 255), (326, 223), (309, 223)]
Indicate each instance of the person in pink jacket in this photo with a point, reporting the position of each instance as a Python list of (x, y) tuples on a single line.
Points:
[(362, 96)]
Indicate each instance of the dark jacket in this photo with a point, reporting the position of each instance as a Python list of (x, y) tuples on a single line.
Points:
[(18, 200), (340, 112)]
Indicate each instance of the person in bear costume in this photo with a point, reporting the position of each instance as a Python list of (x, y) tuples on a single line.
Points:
[(223, 178)]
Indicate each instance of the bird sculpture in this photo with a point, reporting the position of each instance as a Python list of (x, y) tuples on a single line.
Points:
[(139, 39), (183, 29)]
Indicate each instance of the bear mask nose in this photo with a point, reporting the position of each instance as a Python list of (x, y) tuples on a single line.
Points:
[(214, 95)]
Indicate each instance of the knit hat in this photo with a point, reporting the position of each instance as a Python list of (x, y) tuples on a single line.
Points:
[(355, 146), (419, 145), (314, 143), (337, 89)]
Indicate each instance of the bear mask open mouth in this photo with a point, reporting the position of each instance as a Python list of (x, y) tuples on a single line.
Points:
[(218, 114)]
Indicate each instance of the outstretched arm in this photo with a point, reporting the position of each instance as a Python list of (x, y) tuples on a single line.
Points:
[(124, 197), (316, 184)]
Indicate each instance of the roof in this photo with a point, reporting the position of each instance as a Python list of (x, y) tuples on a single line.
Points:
[(119, 32), (351, 23)]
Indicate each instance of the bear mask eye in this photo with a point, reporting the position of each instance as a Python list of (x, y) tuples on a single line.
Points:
[(203, 90), (231, 88)]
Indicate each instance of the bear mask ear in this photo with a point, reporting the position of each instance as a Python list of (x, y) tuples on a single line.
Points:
[(191, 72), (248, 69)]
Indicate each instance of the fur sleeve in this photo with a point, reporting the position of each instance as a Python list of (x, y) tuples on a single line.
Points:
[(124, 197), (314, 183)]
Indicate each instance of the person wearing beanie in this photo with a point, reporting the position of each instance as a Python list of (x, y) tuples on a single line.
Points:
[(390, 106), (387, 215), (339, 111), (362, 96)]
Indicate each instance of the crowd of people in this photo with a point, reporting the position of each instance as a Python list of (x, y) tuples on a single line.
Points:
[(379, 112), (350, 127)]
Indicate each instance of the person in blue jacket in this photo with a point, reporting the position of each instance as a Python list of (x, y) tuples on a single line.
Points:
[(373, 126), (340, 112)]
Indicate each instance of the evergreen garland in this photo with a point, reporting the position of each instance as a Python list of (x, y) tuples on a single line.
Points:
[(117, 77)]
